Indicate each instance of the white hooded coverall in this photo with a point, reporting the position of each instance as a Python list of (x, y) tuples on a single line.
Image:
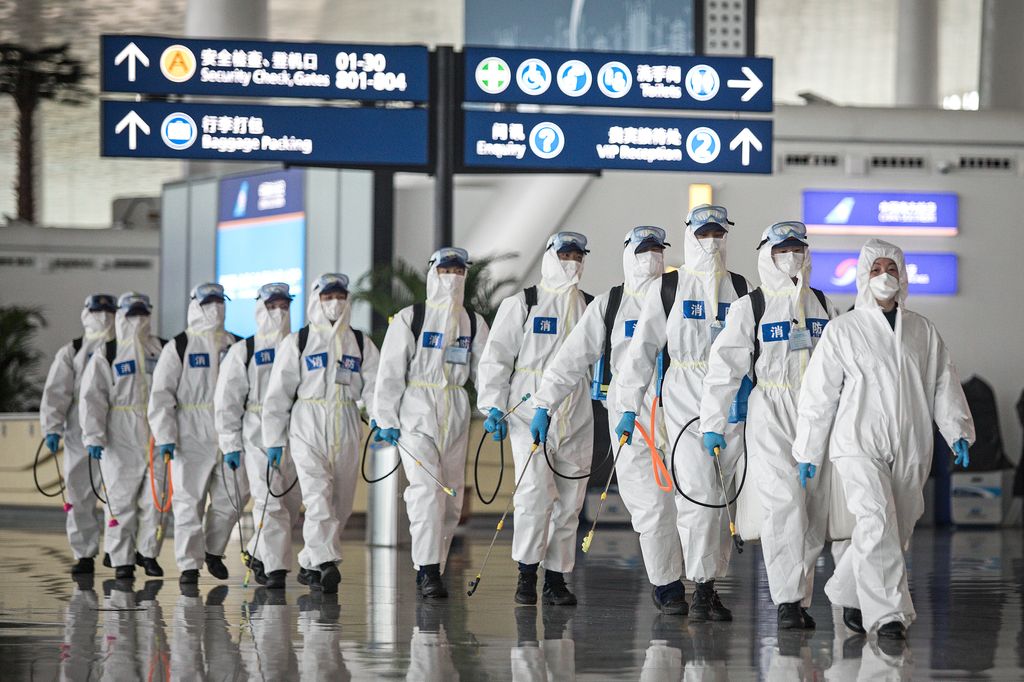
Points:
[(703, 296), (422, 393), (310, 405), (238, 407), (869, 398), (113, 416), (181, 412), (795, 519), (58, 413), (652, 510), (519, 348)]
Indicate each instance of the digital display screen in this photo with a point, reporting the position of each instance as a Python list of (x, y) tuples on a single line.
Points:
[(261, 238), (922, 214)]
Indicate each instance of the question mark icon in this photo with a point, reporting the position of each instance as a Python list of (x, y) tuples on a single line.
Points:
[(547, 140)]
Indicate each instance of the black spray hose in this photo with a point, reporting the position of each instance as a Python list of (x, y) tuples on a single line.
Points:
[(362, 466), (672, 467), (286, 490), (35, 474), (92, 484), (476, 468), (556, 472)]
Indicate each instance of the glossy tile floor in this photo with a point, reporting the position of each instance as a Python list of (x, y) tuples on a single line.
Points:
[(967, 587)]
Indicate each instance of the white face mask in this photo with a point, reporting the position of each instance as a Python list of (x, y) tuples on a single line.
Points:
[(451, 283), (791, 264), (650, 263), (333, 308), (711, 245), (884, 286), (572, 269), (99, 321), (213, 313), (277, 316)]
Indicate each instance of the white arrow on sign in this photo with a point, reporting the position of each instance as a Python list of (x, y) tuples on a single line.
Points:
[(748, 140), (131, 52), (133, 122), (752, 83)]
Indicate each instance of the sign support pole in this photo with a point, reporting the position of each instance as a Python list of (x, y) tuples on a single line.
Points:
[(444, 110)]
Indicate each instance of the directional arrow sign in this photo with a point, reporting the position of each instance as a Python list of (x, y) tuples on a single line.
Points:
[(747, 139), (553, 142), (752, 83), (133, 122), (131, 52)]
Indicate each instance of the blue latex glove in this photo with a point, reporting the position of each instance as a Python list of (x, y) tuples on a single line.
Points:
[(807, 472), (167, 450), (95, 451), (626, 425), (713, 440), (274, 456), (373, 425), (494, 424), (52, 442), (233, 459), (389, 435), (961, 448), (539, 425)]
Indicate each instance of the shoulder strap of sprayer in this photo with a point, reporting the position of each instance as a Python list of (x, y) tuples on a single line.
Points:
[(820, 295), (669, 283), (757, 305), (76, 345), (614, 301), (419, 311), (250, 350), (739, 283)]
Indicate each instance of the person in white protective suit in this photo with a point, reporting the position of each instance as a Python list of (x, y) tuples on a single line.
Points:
[(112, 410), (319, 375), (878, 378), (58, 417), (686, 311), (238, 405), (611, 319), (528, 330), (181, 417), (778, 325), (430, 351)]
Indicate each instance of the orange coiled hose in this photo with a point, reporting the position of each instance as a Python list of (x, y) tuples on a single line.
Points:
[(661, 475), (164, 506)]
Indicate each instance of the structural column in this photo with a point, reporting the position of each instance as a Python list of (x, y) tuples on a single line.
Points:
[(1001, 81), (917, 53)]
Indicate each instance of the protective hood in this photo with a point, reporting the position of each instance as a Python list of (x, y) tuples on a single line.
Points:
[(98, 325), (445, 289), (640, 269), (201, 321), (695, 257), (553, 275), (272, 326), (318, 319), (872, 250), (134, 328), (774, 279)]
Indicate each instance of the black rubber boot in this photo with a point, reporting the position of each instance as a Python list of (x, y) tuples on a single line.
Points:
[(215, 565), (84, 566), (309, 578), (526, 588), (707, 605), (892, 630), (854, 620), (276, 579), (150, 566), (809, 623), (189, 577), (790, 617), (256, 566), (330, 577), (671, 599), (125, 572), (432, 587), (555, 591)]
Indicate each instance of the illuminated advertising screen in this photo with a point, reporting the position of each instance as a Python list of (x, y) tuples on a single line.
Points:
[(920, 214), (261, 238), (929, 274)]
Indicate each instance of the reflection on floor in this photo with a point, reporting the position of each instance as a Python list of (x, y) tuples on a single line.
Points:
[(967, 587)]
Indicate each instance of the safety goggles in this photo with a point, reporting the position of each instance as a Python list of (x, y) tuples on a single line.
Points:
[(133, 303), (451, 256), (331, 283), (645, 238), (565, 242), (210, 292), (101, 303), (792, 231), (708, 217), (274, 291)]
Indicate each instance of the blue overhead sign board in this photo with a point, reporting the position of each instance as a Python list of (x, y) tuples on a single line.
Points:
[(925, 214), (247, 68), (287, 134), (552, 142), (929, 274), (601, 79)]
